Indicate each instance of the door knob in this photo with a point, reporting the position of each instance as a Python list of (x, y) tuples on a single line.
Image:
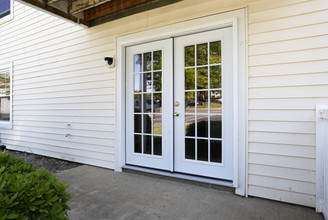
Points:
[(176, 103), (176, 113)]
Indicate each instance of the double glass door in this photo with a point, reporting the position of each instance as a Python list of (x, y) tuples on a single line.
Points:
[(179, 104)]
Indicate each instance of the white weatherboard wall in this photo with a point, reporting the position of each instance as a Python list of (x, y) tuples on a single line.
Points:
[(60, 78), (288, 58)]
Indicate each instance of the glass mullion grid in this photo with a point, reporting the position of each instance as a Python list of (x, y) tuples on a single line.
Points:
[(156, 92), (196, 106), (208, 103), (209, 114), (207, 65), (142, 113), (141, 102)]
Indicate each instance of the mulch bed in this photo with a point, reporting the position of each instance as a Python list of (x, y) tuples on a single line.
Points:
[(52, 165)]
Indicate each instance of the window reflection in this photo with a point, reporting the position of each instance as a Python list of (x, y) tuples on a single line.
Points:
[(202, 78), (216, 101), (157, 81), (147, 61), (137, 82), (202, 149), (137, 63), (147, 82), (189, 56), (190, 79), (215, 52), (190, 102), (203, 102), (202, 54), (157, 60)]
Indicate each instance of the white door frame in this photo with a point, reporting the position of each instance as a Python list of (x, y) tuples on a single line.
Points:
[(237, 20)]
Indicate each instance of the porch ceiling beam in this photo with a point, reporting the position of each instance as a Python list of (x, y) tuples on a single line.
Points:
[(117, 9), (111, 7), (82, 5), (55, 11)]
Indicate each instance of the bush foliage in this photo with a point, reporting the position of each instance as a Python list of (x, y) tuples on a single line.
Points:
[(30, 193)]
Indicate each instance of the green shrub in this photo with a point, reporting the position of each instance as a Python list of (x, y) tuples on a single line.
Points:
[(30, 193)]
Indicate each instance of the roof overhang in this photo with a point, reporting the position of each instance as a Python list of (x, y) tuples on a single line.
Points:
[(95, 12)]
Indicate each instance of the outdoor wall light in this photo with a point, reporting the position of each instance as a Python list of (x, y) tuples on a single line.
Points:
[(110, 61)]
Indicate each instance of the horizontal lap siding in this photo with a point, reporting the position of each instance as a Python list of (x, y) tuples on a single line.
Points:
[(63, 92), (60, 78), (288, 63)]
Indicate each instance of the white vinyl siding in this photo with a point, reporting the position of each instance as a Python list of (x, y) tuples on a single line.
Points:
[(288, 50), (61, 78), (63, 98)]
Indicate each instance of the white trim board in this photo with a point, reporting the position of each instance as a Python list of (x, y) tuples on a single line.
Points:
[(322, 159), (236, 19)]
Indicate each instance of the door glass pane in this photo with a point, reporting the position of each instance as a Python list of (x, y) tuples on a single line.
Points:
[(157, 102), (157, 81), (215, 77), (202, 102), (216, 126), (147, 87), (215, 52), (137, 123), (137, 82), (216, 105), (190, 125), (189, 56), (216, 151), (202, 54), (147, 102), (147, 61), (5, 108), (7, 84), (157, 145), (202, 78), (190, 102), (157, 128), (137, 103), (147, 144), (202, 150), (202, 126), (137, 63), (147, 83), (190, 79), (147, 123), (137, 143), (190, 148), (206, 107), (157, 60)]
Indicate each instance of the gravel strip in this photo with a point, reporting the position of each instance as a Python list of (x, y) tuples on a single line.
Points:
[(52, 165)]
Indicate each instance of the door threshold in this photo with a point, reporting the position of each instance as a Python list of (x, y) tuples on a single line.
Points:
[(209, 182)]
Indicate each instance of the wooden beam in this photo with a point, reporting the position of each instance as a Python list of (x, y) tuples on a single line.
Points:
[(111, 7), (82, 5), (118, 13), (55, 11)]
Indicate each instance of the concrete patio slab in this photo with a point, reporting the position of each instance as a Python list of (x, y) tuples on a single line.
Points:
[(103, 194)]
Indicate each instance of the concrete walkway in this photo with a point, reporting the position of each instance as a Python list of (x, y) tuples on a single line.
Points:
[(103, 194)]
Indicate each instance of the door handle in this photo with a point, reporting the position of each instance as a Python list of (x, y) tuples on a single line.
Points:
[(176, 114)]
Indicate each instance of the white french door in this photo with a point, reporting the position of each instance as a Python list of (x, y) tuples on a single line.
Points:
[(180, 114), (204, 104), (149, 94)]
